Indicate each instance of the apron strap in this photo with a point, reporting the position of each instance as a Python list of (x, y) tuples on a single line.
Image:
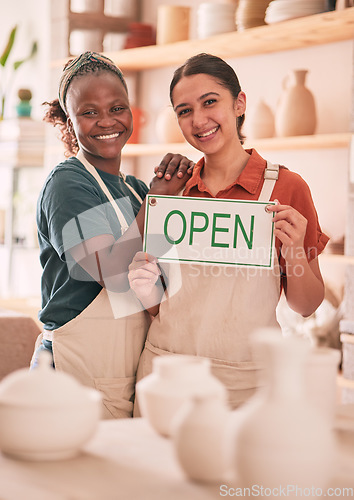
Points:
[(92, 170), (271, 175)]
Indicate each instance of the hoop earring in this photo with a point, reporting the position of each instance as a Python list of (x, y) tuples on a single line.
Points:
[(70, 128)]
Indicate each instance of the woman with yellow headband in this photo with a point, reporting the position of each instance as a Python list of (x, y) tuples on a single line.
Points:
[(90, 219)]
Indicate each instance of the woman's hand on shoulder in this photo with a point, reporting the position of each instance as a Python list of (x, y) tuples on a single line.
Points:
[(171, 175), (174, 164)]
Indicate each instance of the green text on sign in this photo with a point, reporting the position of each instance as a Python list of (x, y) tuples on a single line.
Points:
[(209, 231)]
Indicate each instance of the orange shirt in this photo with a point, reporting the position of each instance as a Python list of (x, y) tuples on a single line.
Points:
[(290, 189)]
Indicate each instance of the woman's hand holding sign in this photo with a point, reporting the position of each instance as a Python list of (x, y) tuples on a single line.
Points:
[(303, 284), (290, 227), (143, 276)]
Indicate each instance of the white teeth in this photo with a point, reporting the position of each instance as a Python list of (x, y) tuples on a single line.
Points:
[(111, 136), (208, 133)]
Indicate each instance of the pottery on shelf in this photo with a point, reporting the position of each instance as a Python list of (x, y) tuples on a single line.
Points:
[(81, 40), (167, 128), (85, 5), (214, 18), (199, 436), (250, 13), (46, 414), (139, 121), (172, 24), (139, 35), (283, 438), (261, 121), (296, 110), (174, 380), (24, 106)]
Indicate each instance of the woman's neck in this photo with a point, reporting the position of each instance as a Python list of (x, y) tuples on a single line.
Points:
[(221, 170), (109, 165)]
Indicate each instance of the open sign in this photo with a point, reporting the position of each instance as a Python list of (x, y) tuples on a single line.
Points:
[(209, 231)]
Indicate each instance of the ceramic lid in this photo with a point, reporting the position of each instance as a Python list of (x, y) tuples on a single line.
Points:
[(41, 386)]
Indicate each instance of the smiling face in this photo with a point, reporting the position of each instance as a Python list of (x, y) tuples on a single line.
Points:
[(100, 115), (207, 112)]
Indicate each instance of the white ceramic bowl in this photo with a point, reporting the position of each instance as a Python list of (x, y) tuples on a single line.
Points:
[(46, 414), (48, 432)]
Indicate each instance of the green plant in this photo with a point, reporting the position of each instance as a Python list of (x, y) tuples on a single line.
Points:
[(5, 80)]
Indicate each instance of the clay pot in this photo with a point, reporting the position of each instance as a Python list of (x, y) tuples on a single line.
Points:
[(296, 112), (261, 121), (139, 120), (172, 24), (167, 128)]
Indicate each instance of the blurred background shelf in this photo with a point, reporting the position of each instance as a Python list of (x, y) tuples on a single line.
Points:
[(298, 33), (320, 141)]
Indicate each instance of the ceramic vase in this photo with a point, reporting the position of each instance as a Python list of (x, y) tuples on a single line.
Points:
[(296, 111), (172, 24), (139, 121), (174, 380), (167, 128), (284, 439), (199, 436), (321, 374), (261, 121)]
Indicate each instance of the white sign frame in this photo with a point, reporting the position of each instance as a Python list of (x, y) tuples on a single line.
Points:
[(261, 256)]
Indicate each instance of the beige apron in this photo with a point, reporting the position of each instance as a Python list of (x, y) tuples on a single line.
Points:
[(99, 349), (213, 315)]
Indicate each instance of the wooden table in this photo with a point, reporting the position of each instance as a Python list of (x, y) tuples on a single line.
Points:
[(127, 460)]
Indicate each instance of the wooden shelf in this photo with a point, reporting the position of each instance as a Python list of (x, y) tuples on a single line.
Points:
[(321, 141), (297, 33)]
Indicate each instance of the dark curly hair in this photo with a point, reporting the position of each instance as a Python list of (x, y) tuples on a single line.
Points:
[(58, 118), (216, 67)]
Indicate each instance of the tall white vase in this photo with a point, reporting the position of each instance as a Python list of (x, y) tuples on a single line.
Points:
[(296, 111), (284, 439)]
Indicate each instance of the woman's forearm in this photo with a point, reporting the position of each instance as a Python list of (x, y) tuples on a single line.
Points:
[(303, 286), (107, 259)]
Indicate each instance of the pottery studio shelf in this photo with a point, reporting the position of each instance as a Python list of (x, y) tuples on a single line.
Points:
[(297, 33), (320, 141)]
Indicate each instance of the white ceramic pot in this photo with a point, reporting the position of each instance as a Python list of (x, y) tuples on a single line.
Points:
[(284, 439), (46, 414), (322, 371), (82, 40), (199, 435), (174, 380), (85, 5)]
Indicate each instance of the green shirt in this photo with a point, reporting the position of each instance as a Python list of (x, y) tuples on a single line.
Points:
[(72, 208)]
